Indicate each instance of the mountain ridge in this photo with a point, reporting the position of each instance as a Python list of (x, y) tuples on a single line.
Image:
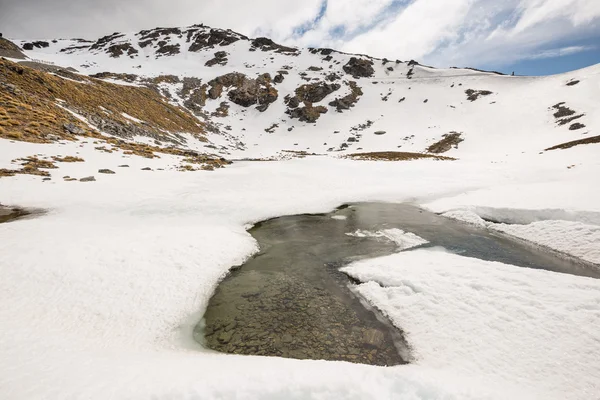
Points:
[(256, 98)]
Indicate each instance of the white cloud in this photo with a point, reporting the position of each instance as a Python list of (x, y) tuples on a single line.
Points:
[(438, 32), (565, 51)]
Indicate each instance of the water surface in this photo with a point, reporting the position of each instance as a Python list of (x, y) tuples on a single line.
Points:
[(290, 299)]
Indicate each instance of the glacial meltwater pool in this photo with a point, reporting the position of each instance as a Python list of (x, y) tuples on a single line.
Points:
[(291, 300)]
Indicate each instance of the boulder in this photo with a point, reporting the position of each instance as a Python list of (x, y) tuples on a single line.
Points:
[(74, 129)]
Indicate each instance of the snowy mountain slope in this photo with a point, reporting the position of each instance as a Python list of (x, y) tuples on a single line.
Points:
[(414, 105)]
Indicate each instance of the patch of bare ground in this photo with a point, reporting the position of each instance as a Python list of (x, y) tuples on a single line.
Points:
[(29, 166), (567, 120), (296, 154), (395, 156), (205, 162), (576, 126), (448, 141), (565, 115), (473, 95), (568, 145), (562, 111), (67, 159)]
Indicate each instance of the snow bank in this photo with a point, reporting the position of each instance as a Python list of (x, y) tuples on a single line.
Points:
[(530, 327), (573, 238)]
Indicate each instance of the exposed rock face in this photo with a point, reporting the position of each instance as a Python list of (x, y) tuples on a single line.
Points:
[(322, 51), (246, 92), (332, 77), (105, 40), (74, 129), (308, 113), (266, 44), (315, 92), (359, 68), (165, 49), (201, 39), (117, 50), (278, 78), (152, 34), (37, 44), (292, 101), (220, 58), (449, 141), (222, 110), (344, 103)]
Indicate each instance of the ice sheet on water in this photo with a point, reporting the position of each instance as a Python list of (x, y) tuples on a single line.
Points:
[(404, 240)]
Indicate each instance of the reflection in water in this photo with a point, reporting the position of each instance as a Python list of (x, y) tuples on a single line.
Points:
[(290, 300)]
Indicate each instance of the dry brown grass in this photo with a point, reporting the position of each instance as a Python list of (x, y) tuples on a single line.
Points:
[(30, 112), (395, 156), (29, 166), (67, 159)]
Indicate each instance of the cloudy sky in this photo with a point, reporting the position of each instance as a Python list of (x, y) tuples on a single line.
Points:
[(526, 36)]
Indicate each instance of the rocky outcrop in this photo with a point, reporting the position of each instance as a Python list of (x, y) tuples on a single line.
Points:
[(448, 141), (165, 49), (201, 39), (266, 44), (194, 93), (344, 103), (246, 92), (292, 101), (153, 34), (37, 44), (220, 59), (315, 92), (359, 68), (221, 111), (308, 113), (105, 41), (117, 50)]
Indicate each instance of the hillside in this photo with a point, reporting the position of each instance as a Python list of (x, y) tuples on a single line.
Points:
[(256, 98)]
